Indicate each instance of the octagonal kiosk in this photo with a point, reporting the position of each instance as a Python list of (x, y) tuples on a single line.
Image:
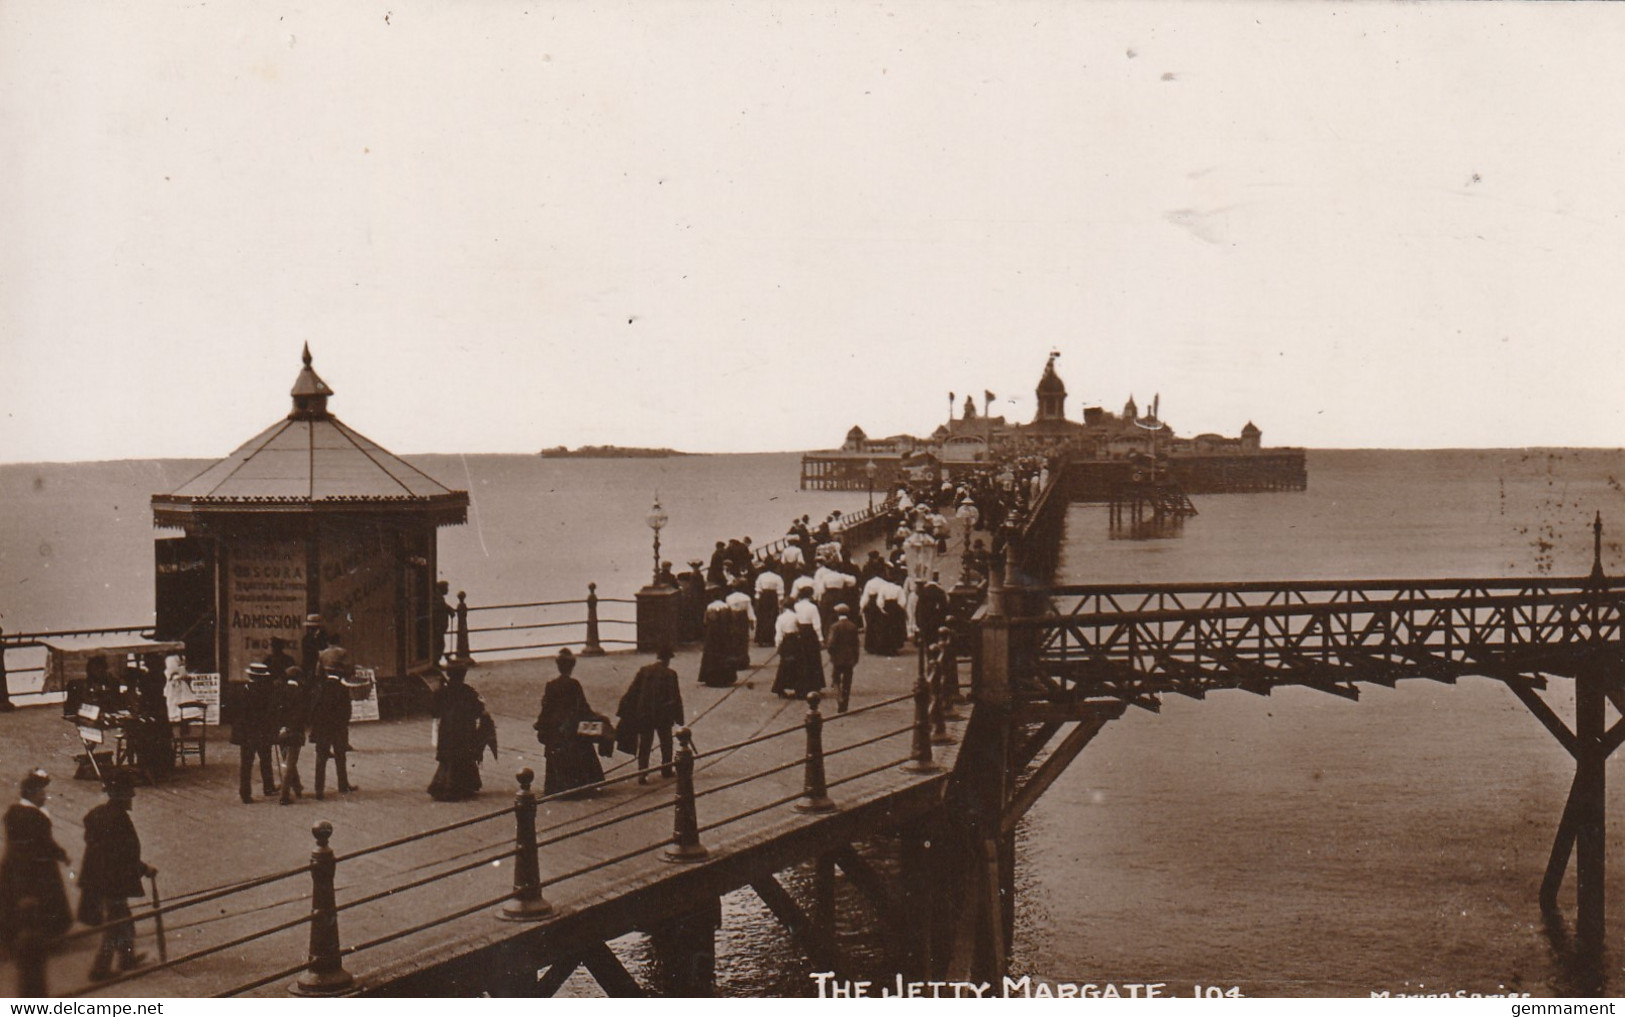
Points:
[(307, 517)]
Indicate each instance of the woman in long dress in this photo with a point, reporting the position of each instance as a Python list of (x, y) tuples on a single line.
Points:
[(31, 866), (769, 586), (719, 661), (787, 634), (571, 757), (460, 743)]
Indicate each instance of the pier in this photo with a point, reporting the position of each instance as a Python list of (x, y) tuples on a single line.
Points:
[(398, 896)]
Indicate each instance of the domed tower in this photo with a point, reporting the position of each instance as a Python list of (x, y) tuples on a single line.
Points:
[(1051, 393)]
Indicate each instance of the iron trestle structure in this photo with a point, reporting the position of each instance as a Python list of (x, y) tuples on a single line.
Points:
[(1057, 654)]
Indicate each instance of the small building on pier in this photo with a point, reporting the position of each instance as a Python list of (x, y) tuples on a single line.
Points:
[(307, 517)]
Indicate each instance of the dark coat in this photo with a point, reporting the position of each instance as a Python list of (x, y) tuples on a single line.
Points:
[(330, 713), (571, 759), (842, 642), (29, 869), (311, 646), (458, 709), (653, 700), (930, 610), (112, 867), (292, 709), (255, 719)]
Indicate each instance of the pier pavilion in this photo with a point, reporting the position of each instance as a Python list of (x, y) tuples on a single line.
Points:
[(307, 517)]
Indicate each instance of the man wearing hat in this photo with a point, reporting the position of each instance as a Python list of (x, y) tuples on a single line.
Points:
[(29, 868), (312, 644), (330, 730), (440, 620), (110, 874), (842, 643), (253, 731), (651, 705)]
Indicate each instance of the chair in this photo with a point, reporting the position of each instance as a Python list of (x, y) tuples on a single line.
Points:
[(191, 733)]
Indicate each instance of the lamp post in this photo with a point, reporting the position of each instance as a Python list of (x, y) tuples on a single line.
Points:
[(656, 519), (657, 604), (869, 470)]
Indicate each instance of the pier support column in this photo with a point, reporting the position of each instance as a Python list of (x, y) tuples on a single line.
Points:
[(824, 893), (1590, 802), (685, 950), (922, 886), (979, 870)]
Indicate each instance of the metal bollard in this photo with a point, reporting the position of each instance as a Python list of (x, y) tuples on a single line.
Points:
[(815, 790), (324, 970), (685, 836), (30, 949), (593, 648), (528, 904), (919, 760)]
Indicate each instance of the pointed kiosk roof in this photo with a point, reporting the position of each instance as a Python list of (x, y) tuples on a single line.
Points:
[(310, 461)]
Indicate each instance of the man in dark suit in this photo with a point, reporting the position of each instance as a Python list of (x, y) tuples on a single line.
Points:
[(930, 608), (651, 705), (110, 874), (311, 645), (253, 731), (440, 613), (842, 643), (330, 730)]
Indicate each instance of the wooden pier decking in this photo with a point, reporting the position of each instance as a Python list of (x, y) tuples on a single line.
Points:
[(200, 836)]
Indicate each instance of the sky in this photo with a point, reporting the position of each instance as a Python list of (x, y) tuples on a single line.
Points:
[(503, 226)]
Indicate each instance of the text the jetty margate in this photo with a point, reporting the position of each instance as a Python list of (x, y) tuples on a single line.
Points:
[(847, 724)]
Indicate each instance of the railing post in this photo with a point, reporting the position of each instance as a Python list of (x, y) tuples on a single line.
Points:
[(685, 836), (919, 760), (30, 949), (949, 661), (939, 697), (6, 705), (528, 904), (462, 626), (593, 648), (815, 789), (324, 969)]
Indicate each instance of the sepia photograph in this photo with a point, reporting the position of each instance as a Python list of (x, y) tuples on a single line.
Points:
[(979, 498)]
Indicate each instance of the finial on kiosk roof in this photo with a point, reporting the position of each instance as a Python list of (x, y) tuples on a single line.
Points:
[(310, 392)]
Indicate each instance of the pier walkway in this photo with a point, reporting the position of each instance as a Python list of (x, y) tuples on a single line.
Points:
[(598, 854), (420, 884)]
